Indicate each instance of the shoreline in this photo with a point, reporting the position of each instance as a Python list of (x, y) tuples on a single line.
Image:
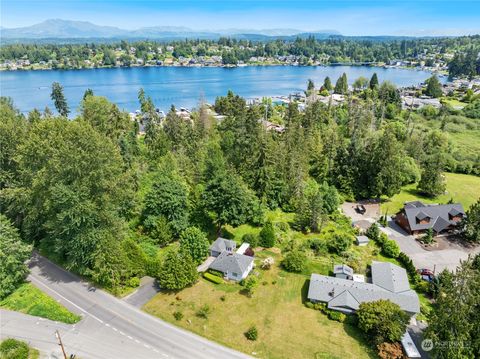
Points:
[(358, 64)]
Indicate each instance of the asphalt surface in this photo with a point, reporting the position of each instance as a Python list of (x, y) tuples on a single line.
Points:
[(146, 291), (110, 328), (439, 260)]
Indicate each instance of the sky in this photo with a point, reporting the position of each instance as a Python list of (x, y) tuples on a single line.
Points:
[(387, 17)]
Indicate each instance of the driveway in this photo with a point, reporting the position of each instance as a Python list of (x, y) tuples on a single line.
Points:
[(205, 265), (147, 290), (437, 260)]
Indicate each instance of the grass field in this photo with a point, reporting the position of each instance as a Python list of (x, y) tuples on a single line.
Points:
[(30, 300), (461, 188), (17, 349), (286, 327)]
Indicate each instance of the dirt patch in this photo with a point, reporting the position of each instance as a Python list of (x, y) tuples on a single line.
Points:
[(372, 210)]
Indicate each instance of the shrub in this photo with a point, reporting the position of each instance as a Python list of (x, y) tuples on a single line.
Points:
[(204, 311), (390, 351), (267, 236), (250, 283), (317, 245), (14, 349), (250, 239), (409, 266), (282, 226), (382, 320), (337, 316), (212, 278), (309, 305), (215, 272), (251, 333), (178, 315), (373, 232), (295, 261), (338, 242), (133, 282), (267, 263), (223, 298), (390, 248)]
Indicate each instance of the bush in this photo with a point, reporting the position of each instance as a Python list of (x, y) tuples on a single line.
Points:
[(309, 305), (212, 278), (267, 263), (250, 283), (267, 236), (337, 316), (409, 266), (339, 242), (133, 282), (251, 333), (14, 349), (390, 351), (215, 272), (373, 232), (178, 315), (382, 320), (223, 298), (317, 245), (390, 248), (250, 239), (204, 311), (295, 261)]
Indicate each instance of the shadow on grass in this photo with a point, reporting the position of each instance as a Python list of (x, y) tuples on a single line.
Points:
[(352, 331), (304, 291)]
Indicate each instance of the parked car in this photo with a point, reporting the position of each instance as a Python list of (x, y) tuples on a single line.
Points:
[(426, 274), (360, 208)]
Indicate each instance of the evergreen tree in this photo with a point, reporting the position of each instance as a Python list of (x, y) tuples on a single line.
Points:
[(177, 271), (374, 82), (59, 99), (327, 84), (434, 87), (88, 92), (267, 235), (341, 86), (432, 182), (471, 223), (194, 241)]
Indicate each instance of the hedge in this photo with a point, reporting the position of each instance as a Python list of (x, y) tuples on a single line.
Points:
[(212, 278)]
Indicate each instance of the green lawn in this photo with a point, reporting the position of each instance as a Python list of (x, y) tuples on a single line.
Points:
[(461, 188), (30, 300), (286, 327)]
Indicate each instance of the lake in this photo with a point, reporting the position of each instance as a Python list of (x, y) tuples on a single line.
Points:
[(182, 86)]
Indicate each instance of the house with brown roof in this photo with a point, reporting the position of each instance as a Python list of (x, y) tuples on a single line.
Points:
[(417, 217)]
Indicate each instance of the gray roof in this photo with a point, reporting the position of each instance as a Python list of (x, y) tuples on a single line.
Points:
[(347, 295), (438, 214), (221, 244), (342, 269), (390, 277), (231, 262), (363, 239)]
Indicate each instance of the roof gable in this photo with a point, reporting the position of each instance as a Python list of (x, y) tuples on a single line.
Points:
[(390, 277), (221, 244), (415, 214), (231, 262)]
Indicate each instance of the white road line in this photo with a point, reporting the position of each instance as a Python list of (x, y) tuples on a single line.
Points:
[(61, 296), (147, 346), (129, 337), (156, 351), (121, 333), (137, 341), (115, 329), (107, 325), (165, 355)]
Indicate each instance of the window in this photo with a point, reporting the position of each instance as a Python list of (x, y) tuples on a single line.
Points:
[(234, 274)]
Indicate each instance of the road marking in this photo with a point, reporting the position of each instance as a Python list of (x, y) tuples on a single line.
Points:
[(129, 337), (165, 355), (147, 346), (61, 296), (115, 329), (107, 325), (137, 341), (121, 333)]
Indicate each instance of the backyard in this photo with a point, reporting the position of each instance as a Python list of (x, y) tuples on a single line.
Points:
[(276, 308), (460, 188)]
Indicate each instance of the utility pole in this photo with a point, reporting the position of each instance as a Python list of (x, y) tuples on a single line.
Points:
[(57, 334)]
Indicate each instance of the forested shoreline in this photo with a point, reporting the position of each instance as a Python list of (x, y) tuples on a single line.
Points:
[(460, 54)]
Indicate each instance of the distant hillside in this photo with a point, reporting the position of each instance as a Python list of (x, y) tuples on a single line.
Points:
[(65, 29)]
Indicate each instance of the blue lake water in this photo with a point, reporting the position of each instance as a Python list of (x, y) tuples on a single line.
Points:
[(182, 86)]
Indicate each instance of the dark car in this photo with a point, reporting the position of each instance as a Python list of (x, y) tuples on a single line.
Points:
[(360, 208)]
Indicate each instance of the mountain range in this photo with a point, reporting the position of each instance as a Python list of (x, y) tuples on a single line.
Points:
[(67, 29)]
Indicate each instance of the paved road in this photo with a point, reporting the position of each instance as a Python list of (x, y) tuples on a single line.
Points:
[(111, 328), (448, 258)]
